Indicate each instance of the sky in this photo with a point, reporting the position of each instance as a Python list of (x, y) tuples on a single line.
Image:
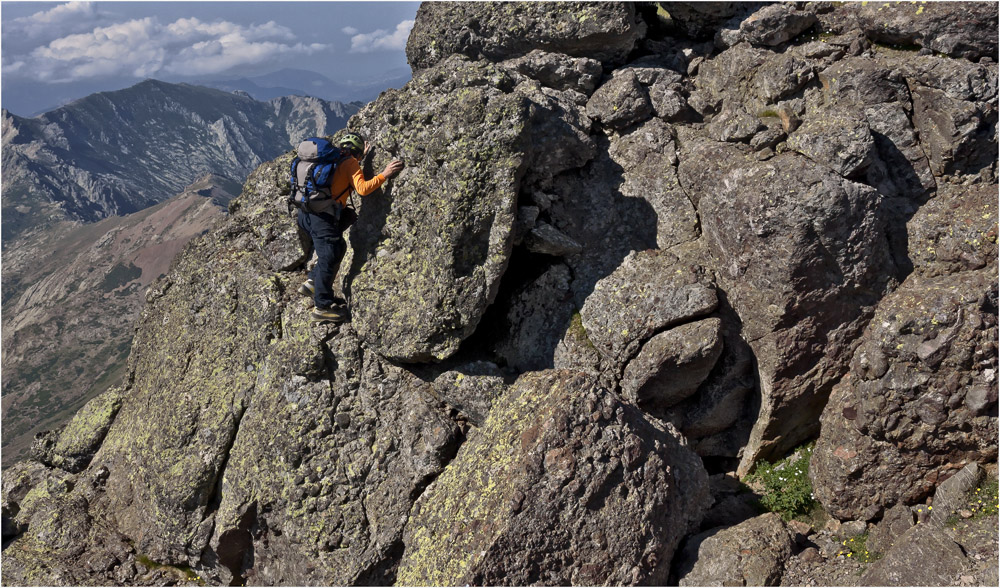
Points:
[(63, 50)]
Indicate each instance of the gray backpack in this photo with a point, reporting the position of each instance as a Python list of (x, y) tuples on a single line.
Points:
[(312, 173)]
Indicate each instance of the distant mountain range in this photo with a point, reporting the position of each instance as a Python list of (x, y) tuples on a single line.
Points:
[(299, 82), (24, 99), (115, 153)]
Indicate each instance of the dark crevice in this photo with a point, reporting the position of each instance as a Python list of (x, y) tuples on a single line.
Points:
[(523, 268), (383, 571), (11, 529), (235, 549)]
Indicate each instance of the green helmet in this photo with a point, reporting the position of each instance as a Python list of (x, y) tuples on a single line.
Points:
[(353, 142)]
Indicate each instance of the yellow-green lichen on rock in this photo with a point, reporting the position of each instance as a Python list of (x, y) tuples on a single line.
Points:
[(195, 363), (606, 31), (563, 484), (428, 272), (329, 456)]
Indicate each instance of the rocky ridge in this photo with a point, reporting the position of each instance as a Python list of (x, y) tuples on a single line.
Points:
[(651, 246), (72, 284)]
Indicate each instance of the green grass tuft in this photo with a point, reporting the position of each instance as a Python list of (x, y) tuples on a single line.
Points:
[(784, 487), (856, 548)]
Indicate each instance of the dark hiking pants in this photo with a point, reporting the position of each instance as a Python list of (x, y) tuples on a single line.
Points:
[(324, 233)]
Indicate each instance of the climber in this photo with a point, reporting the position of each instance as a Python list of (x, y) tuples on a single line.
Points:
[(320, 226)]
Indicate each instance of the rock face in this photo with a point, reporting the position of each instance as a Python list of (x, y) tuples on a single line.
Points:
[(633, 246), (805, 255), (919, 400), (445, 238), (748, 554), (940, 550), (557, 448), (606, 32)]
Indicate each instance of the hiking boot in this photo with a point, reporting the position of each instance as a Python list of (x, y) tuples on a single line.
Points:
[(333, 314), (307, 288)]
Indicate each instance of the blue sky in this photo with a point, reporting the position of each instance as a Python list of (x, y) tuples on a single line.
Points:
[(73, 47)]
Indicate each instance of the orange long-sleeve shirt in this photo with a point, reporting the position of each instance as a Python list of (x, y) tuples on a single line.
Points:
[(349, 175)]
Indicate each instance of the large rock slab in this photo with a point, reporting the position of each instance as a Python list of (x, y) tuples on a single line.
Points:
[(71, 447), (496, 31), (648, 158), (647, 294), (628, 198), (919, 401), (802, 255), (752, 553), (841, 140), (322, 473), (588, 206), (430, 254), (959, 79), (197, 354), (564, 484), (958, 29)]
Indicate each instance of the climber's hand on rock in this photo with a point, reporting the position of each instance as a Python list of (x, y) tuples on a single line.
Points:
[(393, 169)]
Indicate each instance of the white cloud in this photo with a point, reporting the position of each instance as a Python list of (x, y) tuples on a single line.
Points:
[(70, 16), (145, 47), (349, 31), (382, 39)]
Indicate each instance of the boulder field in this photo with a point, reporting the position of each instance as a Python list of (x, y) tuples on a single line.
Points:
[(636, 250)]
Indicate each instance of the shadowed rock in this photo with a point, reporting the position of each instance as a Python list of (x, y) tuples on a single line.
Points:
[(802, 254), (673, 364)]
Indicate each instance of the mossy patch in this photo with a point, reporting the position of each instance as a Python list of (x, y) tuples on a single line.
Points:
[(182, 573), (856, 548)]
